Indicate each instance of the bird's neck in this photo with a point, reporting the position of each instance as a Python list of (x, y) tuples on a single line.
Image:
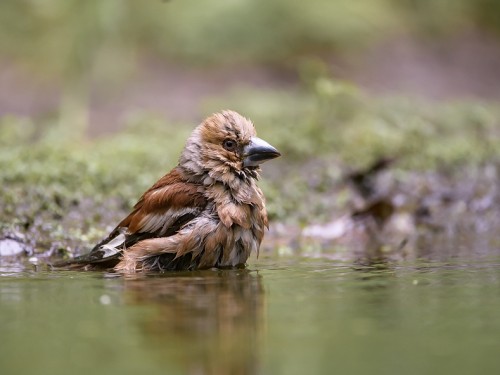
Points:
[(240, 188)]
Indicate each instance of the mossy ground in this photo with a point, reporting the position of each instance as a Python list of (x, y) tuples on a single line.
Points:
[(63, 191)]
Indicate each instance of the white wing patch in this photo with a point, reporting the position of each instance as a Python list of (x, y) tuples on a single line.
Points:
[(112, 247)]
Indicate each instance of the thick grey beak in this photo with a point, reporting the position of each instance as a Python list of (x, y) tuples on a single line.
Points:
[(257, 152)]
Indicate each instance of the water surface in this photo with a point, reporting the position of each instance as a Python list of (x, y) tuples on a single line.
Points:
[(285, 316)]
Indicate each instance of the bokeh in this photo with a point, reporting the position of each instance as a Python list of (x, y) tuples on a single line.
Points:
[(104, 59), (98, 97)]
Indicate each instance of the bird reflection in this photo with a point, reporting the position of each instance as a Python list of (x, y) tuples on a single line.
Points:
[(209, 321)]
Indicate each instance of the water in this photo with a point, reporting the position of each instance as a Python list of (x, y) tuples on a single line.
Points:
[(285, 316)]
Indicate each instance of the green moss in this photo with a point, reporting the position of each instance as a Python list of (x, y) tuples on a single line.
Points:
[(65, 192)]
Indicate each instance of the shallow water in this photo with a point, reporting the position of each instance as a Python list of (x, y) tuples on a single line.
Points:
[(286, 316)]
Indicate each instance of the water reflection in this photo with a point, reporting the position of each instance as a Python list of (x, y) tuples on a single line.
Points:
[(209, 321)]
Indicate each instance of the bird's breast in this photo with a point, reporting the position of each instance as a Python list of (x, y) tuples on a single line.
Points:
[(240, 232)]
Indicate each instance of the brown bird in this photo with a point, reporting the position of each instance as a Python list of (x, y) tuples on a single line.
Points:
[(207, 212)]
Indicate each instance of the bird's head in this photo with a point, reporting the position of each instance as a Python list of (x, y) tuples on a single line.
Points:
[(225, 146)]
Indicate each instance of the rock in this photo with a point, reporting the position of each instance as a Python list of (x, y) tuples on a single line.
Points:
[(10, 247)]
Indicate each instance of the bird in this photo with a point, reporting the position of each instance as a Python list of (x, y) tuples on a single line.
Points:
[(207, 212)]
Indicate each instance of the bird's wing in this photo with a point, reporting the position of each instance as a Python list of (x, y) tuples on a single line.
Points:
[(160, 212)]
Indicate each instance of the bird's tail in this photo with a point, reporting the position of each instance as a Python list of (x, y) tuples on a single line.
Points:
[(104, 255)]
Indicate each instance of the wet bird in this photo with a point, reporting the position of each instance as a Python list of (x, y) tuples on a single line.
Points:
[(206, 212)]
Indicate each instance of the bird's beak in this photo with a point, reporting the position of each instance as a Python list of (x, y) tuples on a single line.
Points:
[(257, 152)]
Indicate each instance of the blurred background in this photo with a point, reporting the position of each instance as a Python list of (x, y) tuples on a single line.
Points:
[(101, 60), (93, 91), (383, 250)]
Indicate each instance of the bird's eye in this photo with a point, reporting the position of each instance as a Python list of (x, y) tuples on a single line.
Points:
[(229, 144)]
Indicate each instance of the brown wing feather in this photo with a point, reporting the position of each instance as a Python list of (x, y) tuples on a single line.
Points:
[(161, 211), (171, 193)]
